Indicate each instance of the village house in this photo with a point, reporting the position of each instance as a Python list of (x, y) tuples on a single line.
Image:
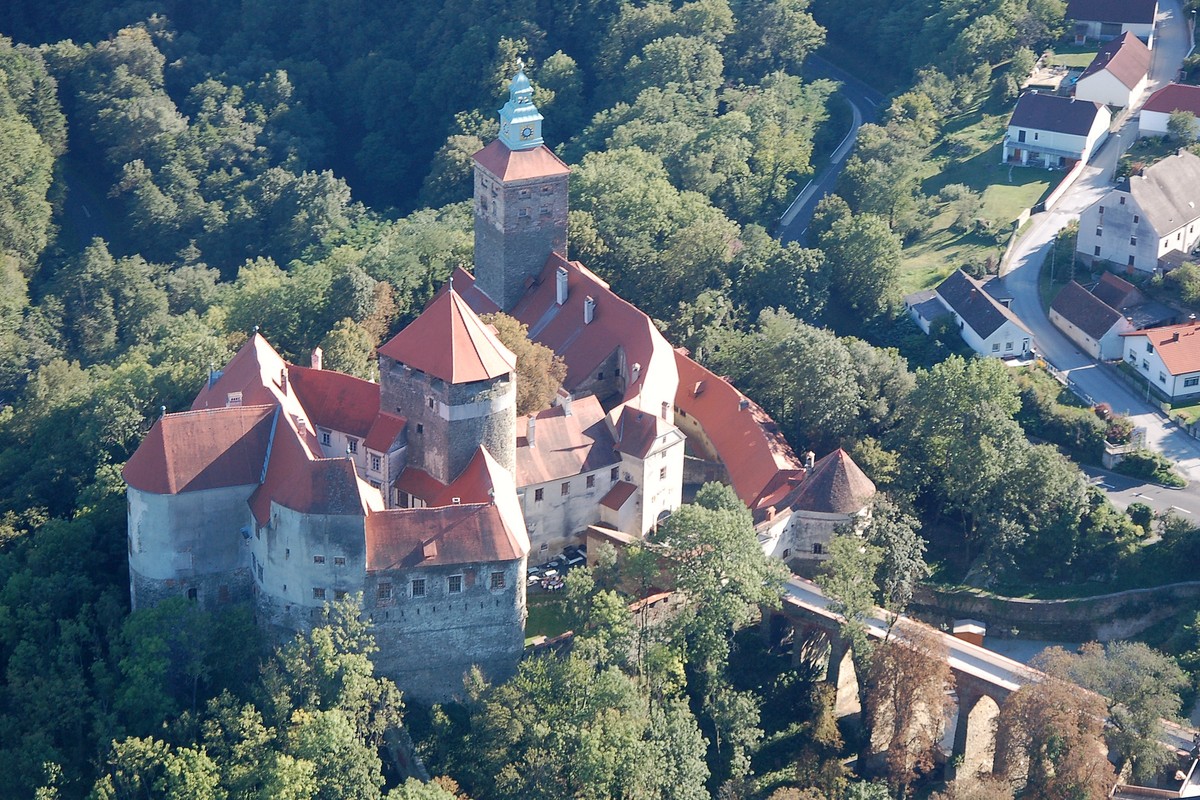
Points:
[(983, 320), (1095, 320), (1147, 221), (1168, 358), (425, 496), (1056, 132), (1156, 111), (1107, 19), (1117, 75)]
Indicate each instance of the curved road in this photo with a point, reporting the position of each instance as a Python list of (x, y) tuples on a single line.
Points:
[(864, 103), (1021, 272)]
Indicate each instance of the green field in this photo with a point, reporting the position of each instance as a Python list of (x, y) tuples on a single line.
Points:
[(547, 615), (970, 154), (1073, 55)]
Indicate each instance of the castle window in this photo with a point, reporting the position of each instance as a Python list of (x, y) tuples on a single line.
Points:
[(565, 488), (547, 189), (545, 211), (418, 587), (376, 463), (787, 554), (430, 401), (1101, 209), (599, 376), (1189, 382), (454, 584), (318, 559), (420, 428), (1133, 240), (1099, 231), (1096, 251), (325, 437), (497, 580), (1122, 201), (523, 193), (192, 594), (818, 549), (662, 474), (385, 591), (537, 495), (287, 553), (233, 399), (1131, 261), (591, 481), (523, 212), (260, 573), (352, 445), (339, 561), (339, 594), (318, 593), (614, 474)]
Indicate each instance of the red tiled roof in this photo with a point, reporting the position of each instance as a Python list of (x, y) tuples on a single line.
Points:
[(420, 484), (471, 533), (450, 342), (336, 400), (384, 431), (636, 430), (1115, 291), (1174, 97), (1125, 58), (1177, 345), (564, 445), (835, 485), (255, 371), (197, 450), (518, 165), (746, 439), (618, 495)]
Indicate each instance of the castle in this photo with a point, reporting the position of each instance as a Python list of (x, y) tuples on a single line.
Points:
[(288, 487)]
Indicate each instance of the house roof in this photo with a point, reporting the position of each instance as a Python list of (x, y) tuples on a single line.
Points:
[(336, 400), (1115, 291), (207, 449), (1125, 58), (1177, 345), (1138, 12), (636, 430), (564, 444), (618, 495), (1174, 97), (835, 485), (746, 439), (449, 341), (1048, 112), (1085, 311), (255, 371), (975, 306), (401, 538), (1168, 192), (519, 165)]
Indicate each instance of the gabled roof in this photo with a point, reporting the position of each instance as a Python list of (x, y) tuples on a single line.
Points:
[(1174, 97), (336, 400), (1125, 58), (402, 538), (1115, 291), (618, 495), (384, 431), (564, 444), (636, 431), (1138, 12), (255, 371), (1168, 192), (976, 307), (519, 165), (1177, 345), (1048, 112), (450, 342), (207, 449), (746, 439), (1085, 311), (835, 485)]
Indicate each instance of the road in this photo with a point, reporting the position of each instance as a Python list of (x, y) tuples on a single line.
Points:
[(1124, 491), (1021, 274), (864, 102)]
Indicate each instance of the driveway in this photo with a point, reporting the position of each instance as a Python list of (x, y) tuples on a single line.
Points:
[(864, 103), (1021, 271)]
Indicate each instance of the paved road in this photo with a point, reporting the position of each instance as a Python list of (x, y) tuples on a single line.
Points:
[(1021, 276), (864, 102), (1124, 491)]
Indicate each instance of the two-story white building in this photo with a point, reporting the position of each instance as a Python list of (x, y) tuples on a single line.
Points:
[(1051, 131), (1168, 358), (1107, 19), (1145, 218), (1118, 74)]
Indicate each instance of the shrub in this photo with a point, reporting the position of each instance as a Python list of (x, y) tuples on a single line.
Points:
[(1141, 514), (1120, 430), (1150, 466)]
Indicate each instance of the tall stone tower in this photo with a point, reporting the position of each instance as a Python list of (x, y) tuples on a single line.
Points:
[(452, 379), (520, 201)]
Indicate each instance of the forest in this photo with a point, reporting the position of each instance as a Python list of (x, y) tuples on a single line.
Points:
[(174, 175)]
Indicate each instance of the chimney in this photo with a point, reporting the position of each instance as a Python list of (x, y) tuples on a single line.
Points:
[(531, 432), (1175, 336), (589, 310), (563, 400), (283, 379), (635, 372), (770, 513), (743, 404), (302, 425), (810, 459), (317, 355), (560, 285)]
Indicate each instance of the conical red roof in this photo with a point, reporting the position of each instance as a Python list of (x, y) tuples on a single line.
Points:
[(450, 342)]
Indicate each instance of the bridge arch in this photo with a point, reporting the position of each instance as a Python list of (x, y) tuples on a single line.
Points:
[(975, 735)]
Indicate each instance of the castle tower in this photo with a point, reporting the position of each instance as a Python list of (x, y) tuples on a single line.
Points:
[(451, 378), (520, 201)]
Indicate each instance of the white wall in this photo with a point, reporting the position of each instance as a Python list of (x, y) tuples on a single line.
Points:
[(558, 520), (1104, 87), (1150, 366), (1007, 340), (1106, 348)]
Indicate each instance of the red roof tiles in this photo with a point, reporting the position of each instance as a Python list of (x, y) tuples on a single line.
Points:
[(335, 400), (1174, 97), (1177, 345), (463, 534), (450, 342), (518, 165), (1125, 58), (564, 445), (254, 371), (835, 485), (197, 450), (618, 495)]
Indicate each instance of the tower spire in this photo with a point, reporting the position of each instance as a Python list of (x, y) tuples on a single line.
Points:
[(520, 121)]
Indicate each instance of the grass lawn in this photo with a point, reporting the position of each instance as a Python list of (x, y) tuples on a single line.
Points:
[(547, 615), (1073, 55)]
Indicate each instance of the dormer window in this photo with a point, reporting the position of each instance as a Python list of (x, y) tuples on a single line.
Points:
[(233, 399)]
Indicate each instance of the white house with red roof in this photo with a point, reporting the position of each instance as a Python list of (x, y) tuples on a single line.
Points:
[(1118, 74), (1168, 358), (424, 494), (1157, 109)]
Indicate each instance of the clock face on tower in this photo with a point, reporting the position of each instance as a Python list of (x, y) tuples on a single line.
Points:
[(527, 132)]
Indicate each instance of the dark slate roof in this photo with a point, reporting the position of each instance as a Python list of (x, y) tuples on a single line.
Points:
[(835, 485), (1138, 12), (975, 306), (1048, 112), (1085, 311), (926, 304)]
